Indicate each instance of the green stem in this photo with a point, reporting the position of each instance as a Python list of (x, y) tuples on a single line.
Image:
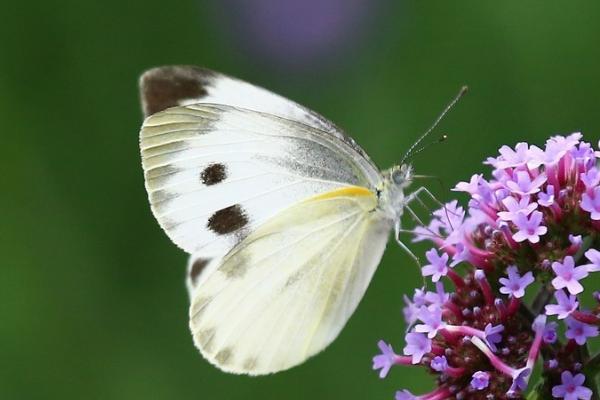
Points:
[(591, 369), (542, 298)]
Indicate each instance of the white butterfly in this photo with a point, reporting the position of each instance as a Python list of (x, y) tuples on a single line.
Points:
[(285, 217)]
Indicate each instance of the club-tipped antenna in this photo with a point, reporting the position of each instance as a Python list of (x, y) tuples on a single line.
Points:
[(411, 151), (425, 146)]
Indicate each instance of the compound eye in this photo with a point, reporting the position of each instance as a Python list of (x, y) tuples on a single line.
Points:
[(398, 176)]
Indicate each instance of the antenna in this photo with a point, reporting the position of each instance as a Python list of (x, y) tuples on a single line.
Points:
[(411, 151), (425, 146)]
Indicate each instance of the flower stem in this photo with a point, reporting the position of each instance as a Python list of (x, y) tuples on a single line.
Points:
[(540, 301), (591, 369)]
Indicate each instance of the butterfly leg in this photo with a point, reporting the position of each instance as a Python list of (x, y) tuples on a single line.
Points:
[(398, 229), (415, 196)]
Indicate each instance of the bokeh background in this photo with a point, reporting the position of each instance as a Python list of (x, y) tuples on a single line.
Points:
[(92, 301)]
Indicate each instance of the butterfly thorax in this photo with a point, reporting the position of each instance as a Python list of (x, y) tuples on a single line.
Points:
[(392, 198)]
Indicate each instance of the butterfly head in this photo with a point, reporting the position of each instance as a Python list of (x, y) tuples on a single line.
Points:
[(401, 175), (396, 180)]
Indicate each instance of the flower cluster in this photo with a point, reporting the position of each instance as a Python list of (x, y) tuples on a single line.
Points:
[(531, 231)]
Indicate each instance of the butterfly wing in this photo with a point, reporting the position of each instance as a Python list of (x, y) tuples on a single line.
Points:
[(176, 85), (236, 176), (214, 173), (286, 291)]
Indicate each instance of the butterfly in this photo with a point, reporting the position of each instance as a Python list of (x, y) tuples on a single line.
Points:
[(284, 216)]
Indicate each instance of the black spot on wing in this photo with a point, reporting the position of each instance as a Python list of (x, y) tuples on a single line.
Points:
[(228, 220), (213, 174), (164, 87), (197, 267)]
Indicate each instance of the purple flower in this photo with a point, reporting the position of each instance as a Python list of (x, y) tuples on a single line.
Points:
[(405, 395), (565, 142), (451, 216), (556, 148), (439, 297), (438, 266), (510, 158), (470, 187), (568, 276), (417, 345), (571, 388), (550, 335), (462, 254), (546, 199), (515, 285), (411, 310), (576, 240), (528, 222), (594, 256), (515, 207), (480, 380), (427, 233), (520, 380), (591, 203), (439, 364), (523, 184), (432, 321), (529, 228), (579, 331), (550, 156), (385, 360), (591, 178), (564, 308), (493, 335)]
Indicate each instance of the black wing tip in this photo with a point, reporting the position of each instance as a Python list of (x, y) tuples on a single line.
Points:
[(166, 86)]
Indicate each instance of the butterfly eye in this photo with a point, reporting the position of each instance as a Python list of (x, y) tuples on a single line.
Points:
[(401, 175), (397, 177)]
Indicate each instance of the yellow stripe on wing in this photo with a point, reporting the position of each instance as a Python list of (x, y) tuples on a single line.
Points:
[(351, 191)]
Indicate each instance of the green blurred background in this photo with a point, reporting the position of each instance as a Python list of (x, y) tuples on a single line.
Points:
[(92, 298)]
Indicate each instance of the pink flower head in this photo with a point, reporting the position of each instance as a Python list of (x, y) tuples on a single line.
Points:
[(530, 221)]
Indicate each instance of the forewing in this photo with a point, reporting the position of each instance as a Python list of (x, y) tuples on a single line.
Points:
[(176, 85), (285, 292), (214, 173)]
